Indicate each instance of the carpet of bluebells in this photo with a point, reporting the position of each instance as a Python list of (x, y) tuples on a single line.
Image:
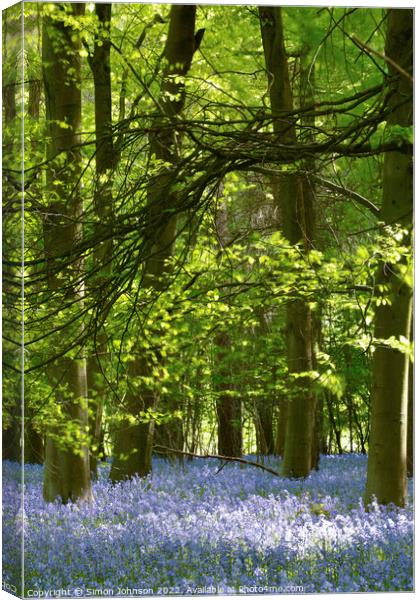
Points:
[(197, 529)]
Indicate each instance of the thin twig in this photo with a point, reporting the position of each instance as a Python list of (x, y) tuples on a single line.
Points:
[(346, 192), (391, 62)]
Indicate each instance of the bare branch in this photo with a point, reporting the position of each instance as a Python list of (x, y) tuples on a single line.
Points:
[(391, 62), (166, 450), (348, 193)]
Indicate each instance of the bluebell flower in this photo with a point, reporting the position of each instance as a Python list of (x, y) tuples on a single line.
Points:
[(193, 526)]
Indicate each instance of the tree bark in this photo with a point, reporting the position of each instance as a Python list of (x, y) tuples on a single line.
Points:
[(134, 440), (283, 409), (66, 469), (410, 423), (100, 64), (387, 457), (297, 227), (335, 430), (264, 405), (34, 439), (264, 426), (228, 405), (306, 94)]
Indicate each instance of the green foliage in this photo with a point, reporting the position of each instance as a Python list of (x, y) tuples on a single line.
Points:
[(238, 286)]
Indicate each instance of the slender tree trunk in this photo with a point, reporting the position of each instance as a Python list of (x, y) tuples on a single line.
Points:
[(321, 425), (387, 459), (320, 438), (360, 435), (297, 227), (306, 93), (66, 469), (264, 425), (334, 428), (195, 407), (410, 412), (410, 423), (281, 425), (100, 63), (263, 405), (134, 441), (228, 405), (350, 414), (34, 440)]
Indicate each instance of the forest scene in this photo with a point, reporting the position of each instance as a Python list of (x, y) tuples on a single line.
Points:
[(207, 299)]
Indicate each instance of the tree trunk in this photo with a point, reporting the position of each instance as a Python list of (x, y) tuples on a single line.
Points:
[(263, 405), (264, 426), (66, 470), (360, 435), (306, 98), (263, 419), (228, 404), (387, 457), (334, 428), (410, 423), (349, 405), (134, 438), (100, 64), (297, 227), (281, 425), (410, 412), (34, 440), (319, 444), (229, 409)]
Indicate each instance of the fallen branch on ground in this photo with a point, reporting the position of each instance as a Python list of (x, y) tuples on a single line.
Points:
[(166, 450)]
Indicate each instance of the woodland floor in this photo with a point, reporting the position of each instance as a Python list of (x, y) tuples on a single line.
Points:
[(196, 529)]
